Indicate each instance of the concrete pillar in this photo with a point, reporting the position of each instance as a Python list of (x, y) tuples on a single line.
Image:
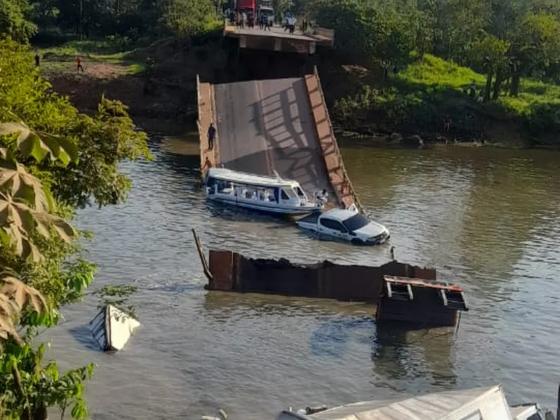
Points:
[(312, 48)]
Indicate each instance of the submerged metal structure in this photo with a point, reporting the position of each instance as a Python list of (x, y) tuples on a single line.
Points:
[(401, 292), (234, 272)]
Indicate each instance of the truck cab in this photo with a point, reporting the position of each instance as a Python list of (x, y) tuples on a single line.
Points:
[(247, 6), (346, 225), (265, 8)]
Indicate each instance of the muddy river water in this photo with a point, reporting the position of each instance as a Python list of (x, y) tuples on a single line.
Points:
[(486, 218)]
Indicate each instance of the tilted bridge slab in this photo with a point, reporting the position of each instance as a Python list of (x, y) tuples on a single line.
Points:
[(275, 126)]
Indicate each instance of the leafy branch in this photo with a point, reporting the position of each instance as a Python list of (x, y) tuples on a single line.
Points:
[(117, 295)]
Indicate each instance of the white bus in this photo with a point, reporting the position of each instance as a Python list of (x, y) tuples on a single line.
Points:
[(256, 192)]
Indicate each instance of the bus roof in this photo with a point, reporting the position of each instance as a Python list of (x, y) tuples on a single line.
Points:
[(224, 174)]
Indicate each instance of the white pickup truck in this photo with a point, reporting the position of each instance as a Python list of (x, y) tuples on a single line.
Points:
[(347, 225)]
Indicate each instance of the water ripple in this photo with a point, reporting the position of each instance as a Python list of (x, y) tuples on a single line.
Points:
[(488, 219)]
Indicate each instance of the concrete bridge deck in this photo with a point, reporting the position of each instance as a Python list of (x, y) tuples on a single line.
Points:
[(277, 39), (278, 125)]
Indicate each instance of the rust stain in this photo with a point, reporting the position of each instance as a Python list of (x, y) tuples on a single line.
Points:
[(205, 117), (331, 153)]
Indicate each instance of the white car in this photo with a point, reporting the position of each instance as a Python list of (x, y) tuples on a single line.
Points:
[(347, 225)]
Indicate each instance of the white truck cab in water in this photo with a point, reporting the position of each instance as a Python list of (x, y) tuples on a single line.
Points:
[(348, 225)]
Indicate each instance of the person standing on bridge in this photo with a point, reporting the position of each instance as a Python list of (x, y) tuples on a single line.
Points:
[(207, 165), (322, 197), (211, 136), (292, 23)]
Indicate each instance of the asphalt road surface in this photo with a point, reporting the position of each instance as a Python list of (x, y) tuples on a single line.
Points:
[(266, 126)]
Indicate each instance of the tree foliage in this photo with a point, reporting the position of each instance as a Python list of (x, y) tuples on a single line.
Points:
[(52, 160), (189, 17), (130, 18), (14, 20), (384, 34), (504, 39)]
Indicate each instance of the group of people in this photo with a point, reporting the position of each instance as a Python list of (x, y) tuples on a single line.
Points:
[(247, 20), (241, 19), (79, 66)]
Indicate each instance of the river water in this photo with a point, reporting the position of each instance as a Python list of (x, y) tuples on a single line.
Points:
[(488, 219)]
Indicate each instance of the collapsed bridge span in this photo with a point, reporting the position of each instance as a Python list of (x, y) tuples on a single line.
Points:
[(275, 126)]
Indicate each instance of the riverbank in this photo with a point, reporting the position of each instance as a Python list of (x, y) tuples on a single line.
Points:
[(437, 101), (432, 101), (157, 82)]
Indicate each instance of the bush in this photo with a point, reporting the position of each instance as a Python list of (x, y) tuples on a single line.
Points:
[(544, 118)]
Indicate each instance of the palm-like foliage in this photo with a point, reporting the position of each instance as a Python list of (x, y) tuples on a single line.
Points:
[(26, 212), (26, 206), (15, 298), (39, 145)]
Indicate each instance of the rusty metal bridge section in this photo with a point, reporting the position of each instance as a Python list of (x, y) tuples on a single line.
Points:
[(276, 126)]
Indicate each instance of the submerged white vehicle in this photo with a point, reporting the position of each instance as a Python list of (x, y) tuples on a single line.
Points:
[(348, 225), (256, 192)]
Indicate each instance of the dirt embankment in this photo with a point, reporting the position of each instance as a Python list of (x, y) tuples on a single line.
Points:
[(162, 97)]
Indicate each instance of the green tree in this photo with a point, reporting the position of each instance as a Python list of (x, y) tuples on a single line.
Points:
[(455, 25), (14, 22), (385, 35), (490, 54), (52, 160), (187, 18), (27, 219), (536, 48)]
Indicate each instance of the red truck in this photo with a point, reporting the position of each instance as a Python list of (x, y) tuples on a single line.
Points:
[(247, 6)]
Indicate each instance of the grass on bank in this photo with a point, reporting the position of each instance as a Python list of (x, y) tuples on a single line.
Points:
[(421, 97), (110, 50), (433, 73)]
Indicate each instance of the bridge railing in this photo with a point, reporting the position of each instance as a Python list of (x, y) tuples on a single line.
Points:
[(328, 141), (206, 115)]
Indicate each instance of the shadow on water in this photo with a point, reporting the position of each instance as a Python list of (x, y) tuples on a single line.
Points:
[(402, 351), (83, 336), (332, 336), (234, 213), (222, 305), (188, 166), (199, 350)]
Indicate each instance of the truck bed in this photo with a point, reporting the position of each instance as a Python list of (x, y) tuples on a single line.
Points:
[(311, 219)]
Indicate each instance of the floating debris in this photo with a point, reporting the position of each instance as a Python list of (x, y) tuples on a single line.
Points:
[(222, 416), (230, 271), (478, 403), (420, 301), (112, 328)]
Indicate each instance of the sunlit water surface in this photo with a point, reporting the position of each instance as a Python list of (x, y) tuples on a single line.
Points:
[(486, 218)]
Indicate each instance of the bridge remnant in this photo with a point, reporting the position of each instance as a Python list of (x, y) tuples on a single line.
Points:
[(278, 40), (275, 126)]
